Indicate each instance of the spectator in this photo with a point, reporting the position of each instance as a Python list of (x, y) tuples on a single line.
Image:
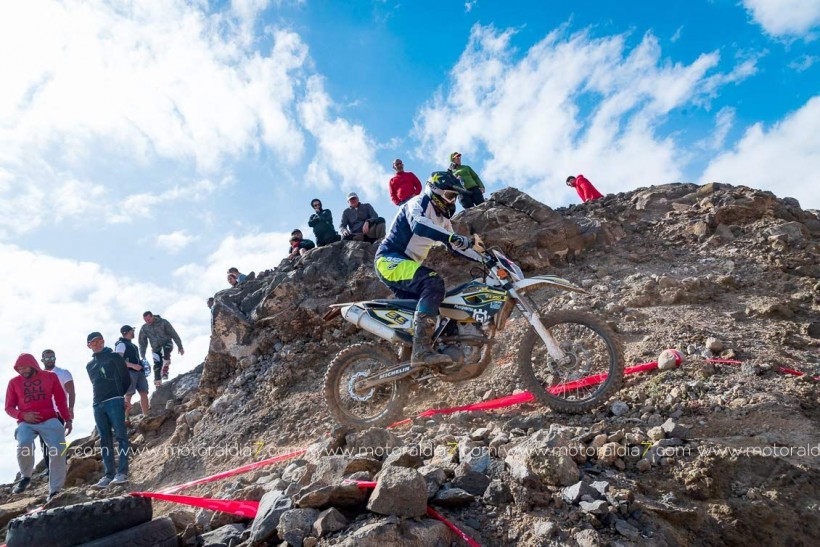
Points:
[(30, 399), (232, 281), (162, 336), (404, 184), (211, 303), (322, 223), (49, 360), (298, 245), (131, 355), (360, 221), (110, 381), (473, 184), (240, 277), (585, 189)]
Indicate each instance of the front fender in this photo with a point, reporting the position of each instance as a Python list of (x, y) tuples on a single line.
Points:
[(547, 280)]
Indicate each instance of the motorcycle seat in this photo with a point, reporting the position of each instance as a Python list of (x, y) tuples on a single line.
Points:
[(409, 305)]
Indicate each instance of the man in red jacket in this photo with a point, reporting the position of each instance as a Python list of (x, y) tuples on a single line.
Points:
[(585, 189), (30, 399), (404, 185)]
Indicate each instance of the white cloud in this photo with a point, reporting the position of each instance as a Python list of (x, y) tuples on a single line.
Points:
[(785, 159), (175, 241), (468, 6), (804, 62), (724, 120), (140, 205), (345, 154), (785, 17), (570, 104), (135, 84), (251, 252)]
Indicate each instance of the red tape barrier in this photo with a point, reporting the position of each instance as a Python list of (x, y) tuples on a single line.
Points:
[(793, 372), (249, 508), (232, 472), (430, 512), (242, 508)]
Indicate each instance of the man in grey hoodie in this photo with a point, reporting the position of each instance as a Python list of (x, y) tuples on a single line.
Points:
[(162, 336)]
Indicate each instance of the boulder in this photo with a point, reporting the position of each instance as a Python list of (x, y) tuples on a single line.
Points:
[(535, 462), (319, 496), (399, 491), (329, 521), (295, 524), (498, 494), (271, 507), (452, 497), (229, 535), (407, 533)]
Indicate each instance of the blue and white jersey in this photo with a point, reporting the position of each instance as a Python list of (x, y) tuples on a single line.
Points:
[(415, 229)]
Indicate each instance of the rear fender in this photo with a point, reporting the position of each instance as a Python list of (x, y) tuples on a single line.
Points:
[(540, 281)]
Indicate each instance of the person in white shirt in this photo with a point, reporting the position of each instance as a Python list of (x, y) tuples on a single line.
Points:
[(49, 360)]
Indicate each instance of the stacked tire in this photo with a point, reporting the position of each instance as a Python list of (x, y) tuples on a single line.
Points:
[(122, 521)]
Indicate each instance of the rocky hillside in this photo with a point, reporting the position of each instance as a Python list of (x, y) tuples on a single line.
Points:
[(709, 454)]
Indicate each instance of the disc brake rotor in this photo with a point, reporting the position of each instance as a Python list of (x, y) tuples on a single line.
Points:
[(351, 387)]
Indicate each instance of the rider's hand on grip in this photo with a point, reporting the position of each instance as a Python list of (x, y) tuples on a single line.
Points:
[(459, 243), (478, 244)]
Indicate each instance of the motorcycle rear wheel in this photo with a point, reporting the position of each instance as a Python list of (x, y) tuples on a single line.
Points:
[(593, 353), (377, 407)]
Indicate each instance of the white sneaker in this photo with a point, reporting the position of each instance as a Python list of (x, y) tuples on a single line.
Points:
[(119, 478), (103, 482)]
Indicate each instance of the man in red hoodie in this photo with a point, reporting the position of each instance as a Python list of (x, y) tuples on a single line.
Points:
[(404, 185), (30, 399), (585, 189)]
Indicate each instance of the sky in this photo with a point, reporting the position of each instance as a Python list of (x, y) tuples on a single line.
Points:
[(145, 147)]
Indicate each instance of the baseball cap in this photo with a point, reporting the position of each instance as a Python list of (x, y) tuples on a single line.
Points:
[(455, 155), (352, 195), (126, 328), (93, 336)]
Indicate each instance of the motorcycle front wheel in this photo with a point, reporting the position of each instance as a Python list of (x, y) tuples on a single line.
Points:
[(357, 408), (591, 371)]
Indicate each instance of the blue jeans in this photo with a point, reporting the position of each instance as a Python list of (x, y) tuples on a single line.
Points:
[(110, 415)]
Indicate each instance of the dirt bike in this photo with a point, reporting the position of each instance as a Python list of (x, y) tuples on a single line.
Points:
[(368, 385)]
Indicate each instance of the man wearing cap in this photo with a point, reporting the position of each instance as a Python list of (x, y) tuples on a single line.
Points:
[(30, 399), (110, 382), (404, 185), (49, 360), (472, 183), (359, 220), (131, 354)]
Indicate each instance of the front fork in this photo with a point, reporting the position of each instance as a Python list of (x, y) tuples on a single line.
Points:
[(530, 311)]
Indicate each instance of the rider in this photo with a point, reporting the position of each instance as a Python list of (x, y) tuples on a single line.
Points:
[(421, 223)]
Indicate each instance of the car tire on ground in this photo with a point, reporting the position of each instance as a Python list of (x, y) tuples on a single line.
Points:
[(75, 524), (157, 533)]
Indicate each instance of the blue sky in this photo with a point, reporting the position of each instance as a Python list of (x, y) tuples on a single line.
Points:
[(147, 146)]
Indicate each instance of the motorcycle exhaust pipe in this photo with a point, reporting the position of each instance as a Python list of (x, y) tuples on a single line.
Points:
[(361, 319)]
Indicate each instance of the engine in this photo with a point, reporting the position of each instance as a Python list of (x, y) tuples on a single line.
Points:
[(462, 352)]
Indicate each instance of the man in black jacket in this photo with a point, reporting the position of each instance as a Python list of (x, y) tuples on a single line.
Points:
[(129, 351), (322, 223), (110, 381)]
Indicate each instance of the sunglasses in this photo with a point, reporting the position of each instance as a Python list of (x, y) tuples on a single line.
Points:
[(49, 358)]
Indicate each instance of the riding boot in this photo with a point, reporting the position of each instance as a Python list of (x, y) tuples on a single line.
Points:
[(424, 325)]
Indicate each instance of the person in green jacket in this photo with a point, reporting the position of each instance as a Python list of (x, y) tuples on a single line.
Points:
[(473, 184)]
